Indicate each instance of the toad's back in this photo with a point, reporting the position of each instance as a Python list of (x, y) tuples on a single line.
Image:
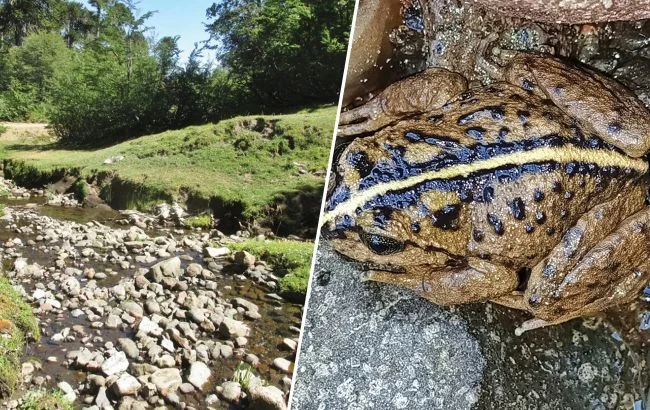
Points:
[(499, 172)]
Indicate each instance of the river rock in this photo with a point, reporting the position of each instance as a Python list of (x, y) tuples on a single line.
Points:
[(193, 269), (249, 306), (68, 391), (283, 364), (113, 322), (197, 315), (216, 252), (151, 306), (232, 328), (170, 268), (126, 385), (166, 380), (149, 327), (289, 344), (231, 391), (115, 364), (132, 308), (244, 259), (266, 398), (71, 286), (199, 374), (101, 401), (166, 361), (129, 347)]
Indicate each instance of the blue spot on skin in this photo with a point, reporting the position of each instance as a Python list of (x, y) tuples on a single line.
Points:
[(344, 222), (613, 128), (340, 194), (413, 136)]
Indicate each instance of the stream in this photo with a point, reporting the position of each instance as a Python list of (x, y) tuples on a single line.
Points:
[(94, 281)]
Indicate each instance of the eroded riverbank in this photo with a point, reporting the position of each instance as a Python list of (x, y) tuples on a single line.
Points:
[(138, 318)]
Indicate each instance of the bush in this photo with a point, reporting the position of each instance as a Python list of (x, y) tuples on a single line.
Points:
[(80, 189)]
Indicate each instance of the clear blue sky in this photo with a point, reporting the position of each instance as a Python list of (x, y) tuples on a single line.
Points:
[(178, 17)]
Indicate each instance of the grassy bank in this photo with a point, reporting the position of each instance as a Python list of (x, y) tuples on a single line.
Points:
[(18, 323), (257, 166), (289, 258)]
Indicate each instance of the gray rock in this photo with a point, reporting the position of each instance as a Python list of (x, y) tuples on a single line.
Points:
[(115, 364), (187, 388), (231, 391), (113, 322), (193, 269), (267, 398), (132, 308), (232, 328), (129, 347), (167, 379), (199, 374), (151, 306), (125, 385), (250, 306), (67, 390), (170, 268), (244, 259), (396, 350), (216, 252), (283, 364), (149, 327), (101, 401), (71, 286), (197, 315)]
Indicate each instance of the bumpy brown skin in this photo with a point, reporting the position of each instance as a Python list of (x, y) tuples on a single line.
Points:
[(571, 12), (584, 240)]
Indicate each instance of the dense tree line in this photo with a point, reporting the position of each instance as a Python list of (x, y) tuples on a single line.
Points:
[(95, 73)]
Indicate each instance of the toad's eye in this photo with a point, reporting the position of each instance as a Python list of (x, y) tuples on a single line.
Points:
[(381, 245)]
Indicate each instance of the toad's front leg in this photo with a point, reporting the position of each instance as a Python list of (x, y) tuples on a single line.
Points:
[(422, 92), (478, 280)]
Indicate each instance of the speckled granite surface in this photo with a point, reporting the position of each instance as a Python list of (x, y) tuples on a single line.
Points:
[(373, 346)]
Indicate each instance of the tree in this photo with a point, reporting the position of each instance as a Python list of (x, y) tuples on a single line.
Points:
[(75, 22), (28, 70), (289, 52), (20, 17)]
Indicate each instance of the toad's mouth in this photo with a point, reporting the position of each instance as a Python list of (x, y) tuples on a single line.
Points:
[(386, 267)]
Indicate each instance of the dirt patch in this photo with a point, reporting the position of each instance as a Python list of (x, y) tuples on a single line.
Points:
[(20, 130)]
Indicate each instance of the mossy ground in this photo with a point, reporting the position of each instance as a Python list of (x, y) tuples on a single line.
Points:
[(199, 221), (17, 324), (291, 258), (250, 160)]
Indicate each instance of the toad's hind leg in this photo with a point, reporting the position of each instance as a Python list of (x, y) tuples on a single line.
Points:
[(478, 280), (603, 106), (422, 92), (604, 260)]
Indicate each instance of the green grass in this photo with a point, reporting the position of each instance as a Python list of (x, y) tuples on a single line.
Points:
[(289, 258), (199, 221), (45, 400), (18, 321), (81, 189), (249, 160), (3, 129)]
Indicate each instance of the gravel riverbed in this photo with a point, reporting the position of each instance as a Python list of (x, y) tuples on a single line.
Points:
[(138, 316)]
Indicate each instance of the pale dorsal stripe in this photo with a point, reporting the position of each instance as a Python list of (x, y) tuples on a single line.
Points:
[(565, 154)]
